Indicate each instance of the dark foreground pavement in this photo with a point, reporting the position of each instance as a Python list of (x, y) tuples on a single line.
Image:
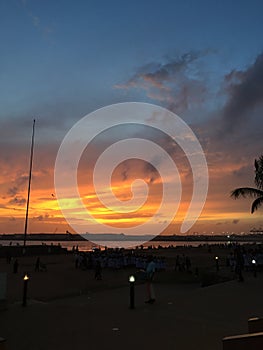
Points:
[(183, 318)]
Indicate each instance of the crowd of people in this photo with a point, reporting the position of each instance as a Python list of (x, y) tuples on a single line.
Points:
[(245, 259), (182, 263), (115, 259)]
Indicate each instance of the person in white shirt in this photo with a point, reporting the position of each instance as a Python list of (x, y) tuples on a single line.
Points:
[(150, 271)]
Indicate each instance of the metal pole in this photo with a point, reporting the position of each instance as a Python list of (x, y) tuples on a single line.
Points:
[(217, 263), (132, 280), (29, 180), (254, 264), (26, 278), (131, 295)]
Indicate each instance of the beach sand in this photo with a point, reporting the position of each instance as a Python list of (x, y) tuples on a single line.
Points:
[(68, 309)]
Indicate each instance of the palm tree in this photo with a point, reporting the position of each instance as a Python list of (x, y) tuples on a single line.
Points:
[(257, 192)]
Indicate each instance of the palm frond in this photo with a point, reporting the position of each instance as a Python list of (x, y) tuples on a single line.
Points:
[(259, 172), (256, 204), (256, 193), (246, 192)]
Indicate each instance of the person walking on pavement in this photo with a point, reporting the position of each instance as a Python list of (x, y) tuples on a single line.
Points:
[(150, 271)]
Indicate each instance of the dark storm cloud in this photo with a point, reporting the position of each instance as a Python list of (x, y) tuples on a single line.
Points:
[(18, 201), (125, 171), (177, 82), (232, 136), (18, 185), (245, 92), (145, 169), (158, 73), (12, 191), (151, 172), (21, 180)]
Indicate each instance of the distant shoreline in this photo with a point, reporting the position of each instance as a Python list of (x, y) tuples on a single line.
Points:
[(256, 237)]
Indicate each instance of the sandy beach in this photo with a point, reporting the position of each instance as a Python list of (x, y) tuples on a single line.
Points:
[(68, 309)]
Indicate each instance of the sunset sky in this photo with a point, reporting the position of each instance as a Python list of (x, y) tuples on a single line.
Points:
[(61, 60)]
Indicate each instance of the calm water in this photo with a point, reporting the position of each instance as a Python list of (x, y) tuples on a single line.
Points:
[(86, 246)]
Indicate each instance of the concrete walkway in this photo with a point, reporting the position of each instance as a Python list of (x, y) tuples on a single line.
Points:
[(183, 318)]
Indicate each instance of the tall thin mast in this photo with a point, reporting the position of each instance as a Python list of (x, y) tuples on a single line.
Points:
[(29, 180)]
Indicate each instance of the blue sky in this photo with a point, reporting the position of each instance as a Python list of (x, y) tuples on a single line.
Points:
[(60, 60), (75, 52)]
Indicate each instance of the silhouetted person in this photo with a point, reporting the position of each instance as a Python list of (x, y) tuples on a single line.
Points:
[(150, 271), (37, 265), (15, 267)]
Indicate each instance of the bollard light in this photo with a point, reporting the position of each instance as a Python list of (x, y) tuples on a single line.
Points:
[(26, 279), (254, 264), (217, 264), (131, 280)]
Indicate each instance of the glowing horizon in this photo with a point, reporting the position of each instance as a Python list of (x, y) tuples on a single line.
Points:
[(60, 63)]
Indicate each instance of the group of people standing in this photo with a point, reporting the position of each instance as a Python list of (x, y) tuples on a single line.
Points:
[(115, 260), (245, 259), (145, 265)]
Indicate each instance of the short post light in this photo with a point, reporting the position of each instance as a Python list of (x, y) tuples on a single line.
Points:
[(217, 263), (26, 279), (254, 264), (132, 281)]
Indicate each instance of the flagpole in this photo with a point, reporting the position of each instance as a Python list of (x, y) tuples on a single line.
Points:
[(29, 180)]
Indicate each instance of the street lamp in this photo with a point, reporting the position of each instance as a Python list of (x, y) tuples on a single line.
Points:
[(26, 279), (132, 281)]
